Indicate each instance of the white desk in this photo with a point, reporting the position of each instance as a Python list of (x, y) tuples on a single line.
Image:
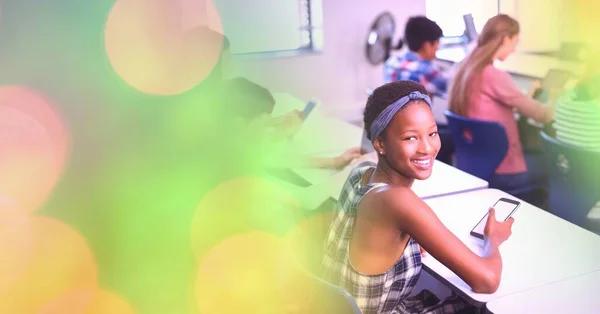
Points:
[(576, 295), (543, 248), (325, 135), (447, 180)]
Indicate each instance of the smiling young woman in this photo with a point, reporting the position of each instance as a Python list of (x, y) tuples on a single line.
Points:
[(373, 244)]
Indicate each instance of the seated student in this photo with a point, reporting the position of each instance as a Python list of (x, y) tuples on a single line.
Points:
[(577, 120), (481, 91), (253, 104), (423, 38), (373, 244)]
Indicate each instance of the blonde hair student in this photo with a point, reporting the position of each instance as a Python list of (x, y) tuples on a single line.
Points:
[(483, 92)]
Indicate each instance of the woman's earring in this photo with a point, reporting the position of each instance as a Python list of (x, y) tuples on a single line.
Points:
[(381, 152)]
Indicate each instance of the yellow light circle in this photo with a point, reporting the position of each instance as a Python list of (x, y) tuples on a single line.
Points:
[(60, 262), (242, 205), (88, 301), (147, 47), (245, 274), (16, 240)]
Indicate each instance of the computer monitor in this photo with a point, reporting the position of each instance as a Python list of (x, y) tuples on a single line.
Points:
[(470, 30), (555, 79)]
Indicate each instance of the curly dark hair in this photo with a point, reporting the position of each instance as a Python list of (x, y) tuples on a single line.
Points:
[(385, 95), (419, 30)]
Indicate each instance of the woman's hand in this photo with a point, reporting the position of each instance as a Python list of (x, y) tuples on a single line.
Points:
[(370, 157), (535, 86), (285, 126), (499, 230), (348, 156)]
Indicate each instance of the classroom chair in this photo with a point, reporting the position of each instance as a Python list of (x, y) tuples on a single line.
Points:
[(574, 177), (480, 147)]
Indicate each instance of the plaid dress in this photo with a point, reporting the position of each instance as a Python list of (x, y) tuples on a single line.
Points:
[(388, 292)]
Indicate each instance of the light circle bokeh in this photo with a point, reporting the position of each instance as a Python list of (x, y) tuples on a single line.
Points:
[(34, 146), (60, 261), (148, 48), (16, 240)]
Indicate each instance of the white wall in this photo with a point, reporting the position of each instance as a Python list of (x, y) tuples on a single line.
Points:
[(340, 74), (545, 24)]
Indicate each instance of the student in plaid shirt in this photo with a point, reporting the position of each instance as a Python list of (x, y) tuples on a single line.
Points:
[(372, 248), (423, 38)]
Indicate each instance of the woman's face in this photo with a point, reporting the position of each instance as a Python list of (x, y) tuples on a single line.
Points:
[(411, 142), (509, 45)]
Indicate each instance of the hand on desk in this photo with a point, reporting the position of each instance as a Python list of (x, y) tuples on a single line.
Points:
[(337, 163), (364, 157), (347, 158), (350, 158), (288, 124), (535, 87)]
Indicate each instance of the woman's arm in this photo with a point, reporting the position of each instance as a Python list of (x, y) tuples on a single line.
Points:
[(337, 162), (414, 217)]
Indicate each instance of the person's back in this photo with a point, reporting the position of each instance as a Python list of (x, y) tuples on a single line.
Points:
[(423, 38), (577, 118), (492, 100), (577, 122)]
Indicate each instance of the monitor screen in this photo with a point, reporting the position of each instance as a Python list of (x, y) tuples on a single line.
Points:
[(470, 29), (555, 79), (449, 14)]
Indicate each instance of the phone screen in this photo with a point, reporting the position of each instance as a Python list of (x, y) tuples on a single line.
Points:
[(504, 209), (309, 107)]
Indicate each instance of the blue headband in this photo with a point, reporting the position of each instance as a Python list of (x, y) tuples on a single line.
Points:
[(384, 118)]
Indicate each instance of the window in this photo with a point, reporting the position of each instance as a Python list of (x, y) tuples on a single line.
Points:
[(449, 14), (261, 26)]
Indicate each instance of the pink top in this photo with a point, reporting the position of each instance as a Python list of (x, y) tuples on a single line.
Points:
[(493, 99)]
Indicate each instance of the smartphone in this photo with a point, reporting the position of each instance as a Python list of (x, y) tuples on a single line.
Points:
[(504, 209), (307, 110)]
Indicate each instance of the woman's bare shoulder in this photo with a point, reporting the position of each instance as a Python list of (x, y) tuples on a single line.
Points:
[(399, 199)]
